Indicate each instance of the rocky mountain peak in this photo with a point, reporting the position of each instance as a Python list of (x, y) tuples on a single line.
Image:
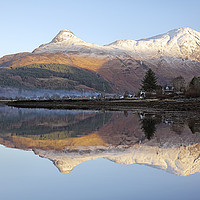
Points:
[(63, 35)]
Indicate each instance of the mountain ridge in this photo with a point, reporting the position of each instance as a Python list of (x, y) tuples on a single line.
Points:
[(183, 42)]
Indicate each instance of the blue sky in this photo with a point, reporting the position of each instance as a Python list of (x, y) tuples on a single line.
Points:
[(27, 24)]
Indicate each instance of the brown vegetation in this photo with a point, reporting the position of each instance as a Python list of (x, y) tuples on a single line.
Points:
[(92, 139), (23, 59)]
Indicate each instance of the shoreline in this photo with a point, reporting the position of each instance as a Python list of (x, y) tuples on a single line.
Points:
[(109, 104)]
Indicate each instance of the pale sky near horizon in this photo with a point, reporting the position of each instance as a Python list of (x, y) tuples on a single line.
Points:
[(27, 24)]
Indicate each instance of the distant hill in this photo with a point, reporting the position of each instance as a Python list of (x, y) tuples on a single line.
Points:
[(53, 76)]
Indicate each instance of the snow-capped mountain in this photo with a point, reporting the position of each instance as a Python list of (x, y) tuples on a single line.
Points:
[(122, 63), (179, 43)]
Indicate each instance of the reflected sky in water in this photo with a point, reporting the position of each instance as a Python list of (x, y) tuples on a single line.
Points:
[(31, 177), (103, 155)]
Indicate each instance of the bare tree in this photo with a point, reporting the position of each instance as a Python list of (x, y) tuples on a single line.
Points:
[(179, 84)]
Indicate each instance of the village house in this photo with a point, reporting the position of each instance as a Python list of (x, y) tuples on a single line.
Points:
[(167, 90)]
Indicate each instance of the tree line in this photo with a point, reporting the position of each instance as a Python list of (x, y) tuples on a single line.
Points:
[(179, 85)]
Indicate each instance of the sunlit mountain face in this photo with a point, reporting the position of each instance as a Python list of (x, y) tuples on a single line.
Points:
[(168, 141)]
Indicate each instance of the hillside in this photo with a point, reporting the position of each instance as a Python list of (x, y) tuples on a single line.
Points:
[(122, 63), (52, 76)]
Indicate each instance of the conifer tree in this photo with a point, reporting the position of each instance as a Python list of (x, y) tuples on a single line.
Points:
[(149, 83)]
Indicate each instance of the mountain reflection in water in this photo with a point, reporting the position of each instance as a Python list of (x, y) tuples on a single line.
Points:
[(168, 141)]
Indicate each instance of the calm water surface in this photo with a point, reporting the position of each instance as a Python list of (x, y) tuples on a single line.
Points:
[(49, 154)]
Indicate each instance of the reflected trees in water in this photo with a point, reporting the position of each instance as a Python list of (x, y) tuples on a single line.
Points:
[(149, 127), (148, 124), (194, 126)]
